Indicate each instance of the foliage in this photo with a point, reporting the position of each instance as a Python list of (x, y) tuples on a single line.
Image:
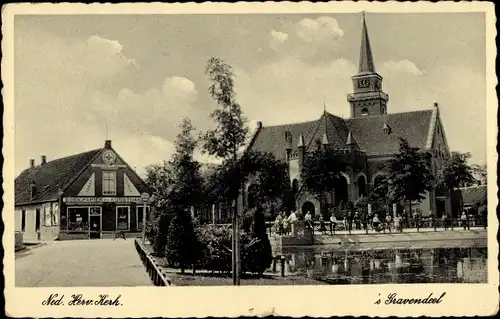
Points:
[(182, 248), (216, 251), (381, 190), (455, 172), (321, 171), (187, 184), (410, 176), (177, 185), (216, 254), (480, 173), (230, 133)]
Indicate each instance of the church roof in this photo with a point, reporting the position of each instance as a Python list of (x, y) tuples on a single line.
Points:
[(371, 138), (272, 138), (50, 177), (367, 133)]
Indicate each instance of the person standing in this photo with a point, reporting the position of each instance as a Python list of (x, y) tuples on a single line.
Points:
[(388, 221), (444, 221), (463, 218), (397, 224), (357, 221), (308, 221), (333, 223)]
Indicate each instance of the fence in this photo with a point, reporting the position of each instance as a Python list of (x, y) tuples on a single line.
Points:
[(429, 223), (156, 275)]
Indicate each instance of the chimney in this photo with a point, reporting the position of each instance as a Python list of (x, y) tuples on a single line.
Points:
[(107, 144), (33, 189), (32, 163), (43, 160)]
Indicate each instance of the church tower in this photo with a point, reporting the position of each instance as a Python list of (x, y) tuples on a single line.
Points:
[(367, 98)]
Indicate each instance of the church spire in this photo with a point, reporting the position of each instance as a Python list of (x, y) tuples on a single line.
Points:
[(366, 63)]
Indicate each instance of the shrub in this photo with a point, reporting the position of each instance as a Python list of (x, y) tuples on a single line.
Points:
[(183, 249), (215, 248)]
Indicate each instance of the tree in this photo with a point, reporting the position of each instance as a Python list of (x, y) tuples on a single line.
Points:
[(228, 136), (177, 185), (455, 172), (183, 248), (480, 173), (321, 172), (409, 176)]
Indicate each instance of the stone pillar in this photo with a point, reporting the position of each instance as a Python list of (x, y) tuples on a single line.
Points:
[(394, 210)]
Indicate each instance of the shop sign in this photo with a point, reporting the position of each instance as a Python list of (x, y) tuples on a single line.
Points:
[(100, 200)]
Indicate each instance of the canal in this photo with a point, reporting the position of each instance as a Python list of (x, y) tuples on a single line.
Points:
[(454, 261)]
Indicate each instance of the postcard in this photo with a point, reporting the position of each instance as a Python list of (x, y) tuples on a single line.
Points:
[(250, 159)]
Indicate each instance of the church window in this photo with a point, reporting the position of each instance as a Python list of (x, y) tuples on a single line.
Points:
[(364, 111), (109, 183)]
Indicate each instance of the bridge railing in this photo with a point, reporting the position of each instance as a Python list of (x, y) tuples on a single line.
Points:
[(157, 276)]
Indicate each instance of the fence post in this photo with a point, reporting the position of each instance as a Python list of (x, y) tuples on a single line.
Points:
[(282, 266)]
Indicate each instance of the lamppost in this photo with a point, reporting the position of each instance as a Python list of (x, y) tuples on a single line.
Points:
[(144, 198)]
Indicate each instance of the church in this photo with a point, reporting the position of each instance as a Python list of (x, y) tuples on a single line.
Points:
[(367, 140)]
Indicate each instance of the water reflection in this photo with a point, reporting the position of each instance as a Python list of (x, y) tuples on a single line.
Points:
[(377, 266)]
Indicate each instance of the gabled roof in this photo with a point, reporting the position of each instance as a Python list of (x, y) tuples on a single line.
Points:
[(369, 131), (50, 177), (272, 138), (474, 195)]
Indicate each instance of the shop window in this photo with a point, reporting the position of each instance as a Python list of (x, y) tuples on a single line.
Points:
[(109, 183), (78, 218), (122, 218), (140, 210), (23, 220)]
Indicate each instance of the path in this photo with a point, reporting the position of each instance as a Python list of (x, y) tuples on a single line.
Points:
[(81, 263)]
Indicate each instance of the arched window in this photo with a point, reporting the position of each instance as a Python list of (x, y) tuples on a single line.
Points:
[(361, 186), (341, 192), (364, 111)]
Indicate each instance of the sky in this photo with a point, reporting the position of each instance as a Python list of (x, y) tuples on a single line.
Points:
[(139, 75)]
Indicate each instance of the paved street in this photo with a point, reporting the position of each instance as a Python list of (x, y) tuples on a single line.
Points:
[(81, 263)]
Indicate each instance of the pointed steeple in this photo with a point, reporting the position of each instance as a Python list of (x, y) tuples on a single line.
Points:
[(324, 140), (301, 141), (350, 140), (366, 63)]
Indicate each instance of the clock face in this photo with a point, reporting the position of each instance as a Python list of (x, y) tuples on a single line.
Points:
[(363, 83), (109, 157)]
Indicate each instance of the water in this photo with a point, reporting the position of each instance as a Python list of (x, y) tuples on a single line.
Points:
[(456, 262)]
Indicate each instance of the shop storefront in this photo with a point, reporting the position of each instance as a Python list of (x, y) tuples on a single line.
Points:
[(100, 196)]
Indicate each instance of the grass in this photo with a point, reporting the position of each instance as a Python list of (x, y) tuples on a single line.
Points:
[(207, 278)]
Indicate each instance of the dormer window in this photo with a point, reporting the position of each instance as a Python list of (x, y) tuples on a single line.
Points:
[(387, 130)]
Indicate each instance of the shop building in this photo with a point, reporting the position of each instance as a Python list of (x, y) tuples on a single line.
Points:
[(93, 194)]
